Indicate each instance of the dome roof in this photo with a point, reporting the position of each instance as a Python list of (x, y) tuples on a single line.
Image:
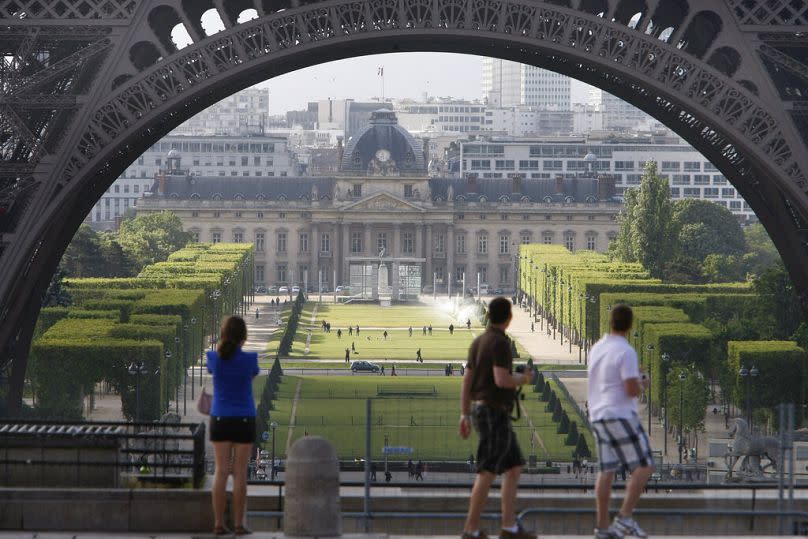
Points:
[(399, 149)]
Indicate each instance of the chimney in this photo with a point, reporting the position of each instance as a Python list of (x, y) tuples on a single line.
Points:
[(472, 182), (559, 184), (605, 187)]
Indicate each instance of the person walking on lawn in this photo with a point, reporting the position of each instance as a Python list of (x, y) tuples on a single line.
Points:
[(615, 382), (490, 385)]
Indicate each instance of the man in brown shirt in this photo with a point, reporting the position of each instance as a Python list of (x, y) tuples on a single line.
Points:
[(490, 382)]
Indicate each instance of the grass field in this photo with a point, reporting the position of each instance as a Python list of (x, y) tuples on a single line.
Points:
[(370, 344), (335, 409)]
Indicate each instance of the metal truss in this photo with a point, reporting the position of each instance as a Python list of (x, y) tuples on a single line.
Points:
[(87, 85)]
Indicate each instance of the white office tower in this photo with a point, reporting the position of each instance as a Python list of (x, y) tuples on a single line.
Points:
[(511, 84), (621, 116)]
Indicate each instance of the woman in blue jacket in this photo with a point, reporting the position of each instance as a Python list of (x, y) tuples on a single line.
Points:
[(232, 420)]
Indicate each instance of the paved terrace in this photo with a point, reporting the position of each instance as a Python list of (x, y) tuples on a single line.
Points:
[(271, 535)]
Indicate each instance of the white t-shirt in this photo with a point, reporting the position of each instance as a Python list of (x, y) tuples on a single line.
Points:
[(612, 360)]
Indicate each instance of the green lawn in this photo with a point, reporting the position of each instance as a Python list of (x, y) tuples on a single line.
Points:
[(335, 409), (370, 344), (402, 316)]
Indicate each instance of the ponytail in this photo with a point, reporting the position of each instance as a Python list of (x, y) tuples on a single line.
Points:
[(233, 332)]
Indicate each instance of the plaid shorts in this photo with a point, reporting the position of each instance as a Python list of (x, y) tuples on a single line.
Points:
[(622, 442), (498, 450)]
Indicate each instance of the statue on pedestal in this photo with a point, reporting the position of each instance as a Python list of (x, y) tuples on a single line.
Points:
[(750, 450)]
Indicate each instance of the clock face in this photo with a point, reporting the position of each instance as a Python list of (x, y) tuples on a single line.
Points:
[(383, 155)]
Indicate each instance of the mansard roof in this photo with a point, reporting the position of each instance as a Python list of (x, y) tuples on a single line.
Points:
[(503, 189)]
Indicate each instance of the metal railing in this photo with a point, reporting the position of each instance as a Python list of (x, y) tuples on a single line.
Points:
[(101, 454)]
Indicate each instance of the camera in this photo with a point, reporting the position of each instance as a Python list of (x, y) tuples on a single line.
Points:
[(520, 369)]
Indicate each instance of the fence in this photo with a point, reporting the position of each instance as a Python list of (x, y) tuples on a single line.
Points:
[(101, 454)]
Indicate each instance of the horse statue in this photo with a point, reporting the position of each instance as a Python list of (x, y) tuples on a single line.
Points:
[(750, 451)]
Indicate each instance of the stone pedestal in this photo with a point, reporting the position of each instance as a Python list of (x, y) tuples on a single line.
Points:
[(311, 507)]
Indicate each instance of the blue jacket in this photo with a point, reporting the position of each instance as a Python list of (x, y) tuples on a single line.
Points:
[(232, 383)]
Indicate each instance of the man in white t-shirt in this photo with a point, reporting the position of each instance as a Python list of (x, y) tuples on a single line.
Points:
[(615, 382)]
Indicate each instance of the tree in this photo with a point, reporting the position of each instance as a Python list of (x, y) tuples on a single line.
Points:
[(117, 263), (57, 296), (151, 238), (572, 437), (761, 252), (777, 314), (83, 257), (721, 268), (646, 225), (705, 228), (695, 395)]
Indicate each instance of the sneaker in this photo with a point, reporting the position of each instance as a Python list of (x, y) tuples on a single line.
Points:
[(467, 535), (604, 534), (625, 526), (521, 533)]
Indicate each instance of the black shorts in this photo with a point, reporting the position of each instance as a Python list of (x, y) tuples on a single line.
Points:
[(239, 430), (498, 450)]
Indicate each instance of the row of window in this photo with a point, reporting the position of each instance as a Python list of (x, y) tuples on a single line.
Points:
[(407, 241), (213, 147), (557, 165)]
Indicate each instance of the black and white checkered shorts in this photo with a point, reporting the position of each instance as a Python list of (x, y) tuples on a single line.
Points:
[(622, 442), (498, 450)]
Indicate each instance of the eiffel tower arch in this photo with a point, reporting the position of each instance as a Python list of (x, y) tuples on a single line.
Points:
[(88, 85)]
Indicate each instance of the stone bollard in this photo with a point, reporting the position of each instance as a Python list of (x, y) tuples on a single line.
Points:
[(312, 506)]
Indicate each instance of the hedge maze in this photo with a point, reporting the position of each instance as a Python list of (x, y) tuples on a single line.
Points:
[(575, 292), (163, 318)]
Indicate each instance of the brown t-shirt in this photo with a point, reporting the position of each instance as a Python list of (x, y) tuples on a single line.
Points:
[(492, 348)]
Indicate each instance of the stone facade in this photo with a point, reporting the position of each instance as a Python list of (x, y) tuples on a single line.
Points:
[(450, 226)]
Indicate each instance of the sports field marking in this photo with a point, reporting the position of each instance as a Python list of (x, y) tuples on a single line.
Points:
[(292, 416)]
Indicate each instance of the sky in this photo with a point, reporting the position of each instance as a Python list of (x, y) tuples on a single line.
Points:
[(406, 75)]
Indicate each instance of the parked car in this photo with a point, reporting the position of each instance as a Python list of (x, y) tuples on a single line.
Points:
[(283, 290), (484, 290), (261, 290), (343, 289), (295, 289), (364, 366), (499, 292), (272, 290), (326, 289)]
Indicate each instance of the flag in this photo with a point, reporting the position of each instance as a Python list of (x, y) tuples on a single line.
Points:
[(380, 72)]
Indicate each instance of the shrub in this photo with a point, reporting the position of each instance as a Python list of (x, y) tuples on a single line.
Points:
[(582, 449), (572, 436), (563, 424)]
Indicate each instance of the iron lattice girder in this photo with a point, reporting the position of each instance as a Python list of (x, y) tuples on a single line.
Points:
[(740, 125)]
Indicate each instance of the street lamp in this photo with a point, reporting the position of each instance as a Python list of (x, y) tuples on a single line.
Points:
[(188, 336), (569, 314), (682, 377), (560, 319), (665, 357), (595, 333), (177, 381), (273, 425), (650, 348), (583, 297), (137, 369), (748, 374), (193, 324)]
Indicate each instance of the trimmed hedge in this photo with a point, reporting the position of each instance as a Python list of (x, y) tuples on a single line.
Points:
[(782, 367)]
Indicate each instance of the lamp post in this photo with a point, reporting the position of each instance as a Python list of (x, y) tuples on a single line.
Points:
[(544, 300), (582, 298), (560, 319), (569, 314), (188, 336), (682, 377), (273, 425), (193, 325), (177, 381), (650, 348), (665, 357), (748, 374), (137, 369), (594, 333)]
